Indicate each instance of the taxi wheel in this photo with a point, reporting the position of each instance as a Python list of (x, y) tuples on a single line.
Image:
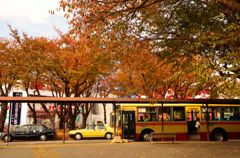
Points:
[(108, 136), (78, 136)]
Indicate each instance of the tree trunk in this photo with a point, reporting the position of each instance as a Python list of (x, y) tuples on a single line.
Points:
[(72, 122), (3, 115), (84, 121), (61, 118), (52, 120), (50, 117), (34, 113), (104, 113), (34, 117), (61, 122), (86, 109)]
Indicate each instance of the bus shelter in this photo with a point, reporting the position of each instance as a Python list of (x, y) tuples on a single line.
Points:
[(64, 101)]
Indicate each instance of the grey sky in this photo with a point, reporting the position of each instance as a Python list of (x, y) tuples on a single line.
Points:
[(31, 17)]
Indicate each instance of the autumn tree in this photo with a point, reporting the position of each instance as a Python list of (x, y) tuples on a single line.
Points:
[(143, 73), (68, 67), (174, 28), (33, 53), (75, 69), (8, 73), (104, 89)]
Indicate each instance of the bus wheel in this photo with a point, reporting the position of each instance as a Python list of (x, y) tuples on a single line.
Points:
[(219, 135), (145, 136)]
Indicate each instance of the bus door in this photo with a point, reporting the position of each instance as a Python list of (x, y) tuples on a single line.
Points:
[(193, 116), (128, 125)]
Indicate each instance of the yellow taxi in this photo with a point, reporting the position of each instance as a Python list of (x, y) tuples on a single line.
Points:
[(93, 131)]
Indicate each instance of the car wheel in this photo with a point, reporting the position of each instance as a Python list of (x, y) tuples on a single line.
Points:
[(43, 137), (78, 136), (108, 136), (219, 135), (7, 138)]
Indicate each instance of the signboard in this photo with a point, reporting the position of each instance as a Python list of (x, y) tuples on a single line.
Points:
[(16, 110)]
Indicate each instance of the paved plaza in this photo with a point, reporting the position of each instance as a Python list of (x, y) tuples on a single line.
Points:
[(106, 149)]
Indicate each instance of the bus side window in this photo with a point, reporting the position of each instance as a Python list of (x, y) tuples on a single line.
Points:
[(165, 114), (153, 117), (178, 113), (147, 114), (146, 118)]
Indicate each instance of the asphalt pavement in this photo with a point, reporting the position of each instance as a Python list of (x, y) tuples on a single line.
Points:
[(107, 149)]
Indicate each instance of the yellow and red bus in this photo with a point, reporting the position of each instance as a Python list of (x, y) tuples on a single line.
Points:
[(188, 121)]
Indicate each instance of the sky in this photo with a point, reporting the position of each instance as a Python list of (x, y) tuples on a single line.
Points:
[(31, 17)]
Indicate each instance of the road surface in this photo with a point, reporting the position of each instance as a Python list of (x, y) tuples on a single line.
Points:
[(107, 149)]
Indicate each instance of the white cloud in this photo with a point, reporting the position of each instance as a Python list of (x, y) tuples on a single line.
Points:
[(31, 17), (35, 11)]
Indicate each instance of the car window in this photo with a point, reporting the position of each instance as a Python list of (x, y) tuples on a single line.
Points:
[(23, 129), (91, 127), (27, 128), (43, 127), (100, 127), (16, 128), (37, 128)]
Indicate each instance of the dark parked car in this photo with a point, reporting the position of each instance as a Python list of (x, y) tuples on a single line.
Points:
[(37, 131)]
